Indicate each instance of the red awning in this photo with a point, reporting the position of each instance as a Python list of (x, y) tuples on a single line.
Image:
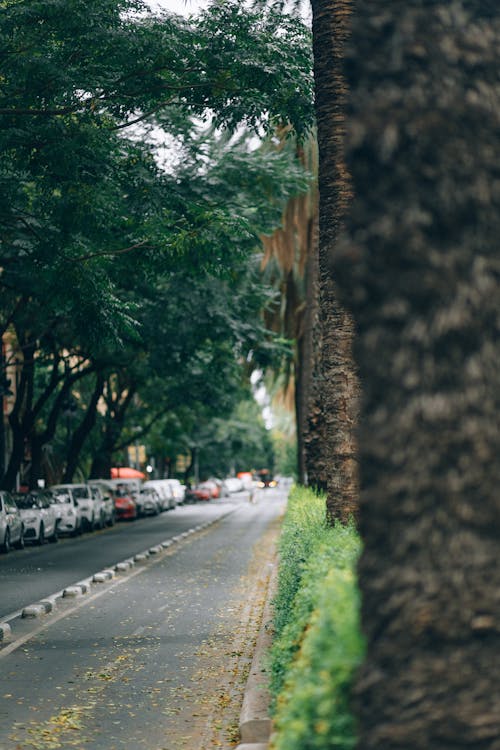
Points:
[(125, 472)]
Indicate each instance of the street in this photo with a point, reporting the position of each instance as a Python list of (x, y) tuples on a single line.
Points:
[(155, 659)]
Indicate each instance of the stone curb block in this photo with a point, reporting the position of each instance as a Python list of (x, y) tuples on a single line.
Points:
[(85, 586), (255, 723), (102, 577), (33, 610), (155, 550), (166, 544), (253, 746), (141, 556), (72, 592), (122, 567), (5, 632)]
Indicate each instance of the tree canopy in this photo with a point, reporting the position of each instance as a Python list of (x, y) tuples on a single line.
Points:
[(120, 268)]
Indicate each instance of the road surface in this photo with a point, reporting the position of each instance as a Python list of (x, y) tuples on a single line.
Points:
[(155, 659)]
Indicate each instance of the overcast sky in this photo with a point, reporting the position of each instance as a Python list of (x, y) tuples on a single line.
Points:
[(178, 6)]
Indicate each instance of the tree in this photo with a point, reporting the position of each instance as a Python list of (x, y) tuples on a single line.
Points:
[(290, 265), (82, 202), (330, 440), (419, 267), (332, 459)]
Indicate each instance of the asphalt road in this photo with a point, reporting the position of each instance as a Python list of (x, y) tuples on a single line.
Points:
[(36, 572), (155, 659)]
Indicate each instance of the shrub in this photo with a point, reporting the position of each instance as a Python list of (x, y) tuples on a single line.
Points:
[(303, 530), (318, 644)]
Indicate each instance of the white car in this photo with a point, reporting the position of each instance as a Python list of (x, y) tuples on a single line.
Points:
[(38, 516), (69, 518), (148, 502), (104, 497), (233, 484), (91, 509), (11, 525), (164, 490), (178, 489)]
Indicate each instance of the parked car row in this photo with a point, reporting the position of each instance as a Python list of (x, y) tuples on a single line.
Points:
[(38, 516)]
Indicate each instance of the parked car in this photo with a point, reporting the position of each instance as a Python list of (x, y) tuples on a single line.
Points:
[(125, 506), (68, 514), (91, 507), (233, 484), (164, 490), (199, 492), (178, 489), (212, 487), (11, 524), (39, 517), (148, 502), (104, 496)]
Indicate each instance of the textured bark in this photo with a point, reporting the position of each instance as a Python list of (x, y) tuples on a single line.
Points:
[(305, 354), (420, 266), (334, 410)]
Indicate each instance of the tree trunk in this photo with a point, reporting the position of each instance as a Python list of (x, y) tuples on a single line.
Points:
[(335, 409), (305, 352), (82, 431), (420, 266)]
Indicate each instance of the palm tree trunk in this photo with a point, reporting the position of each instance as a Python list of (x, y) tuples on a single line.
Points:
[(420, 265), (334, 411)]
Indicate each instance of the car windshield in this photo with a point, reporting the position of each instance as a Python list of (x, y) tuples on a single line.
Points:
[(26, 501), (61, 497), (80, 492)]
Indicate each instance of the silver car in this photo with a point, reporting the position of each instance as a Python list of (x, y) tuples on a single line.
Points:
[(90, 508), (103, 496), (69, 518), (11, 525), (38, 516), (148, 502)]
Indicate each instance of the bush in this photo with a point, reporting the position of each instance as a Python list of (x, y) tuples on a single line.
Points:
[(318, 643), (303, 531)]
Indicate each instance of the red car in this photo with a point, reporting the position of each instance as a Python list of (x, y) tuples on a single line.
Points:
[(125, 507), (200, 493)]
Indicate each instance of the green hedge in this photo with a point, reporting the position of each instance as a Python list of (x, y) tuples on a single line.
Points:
[(317, 642)]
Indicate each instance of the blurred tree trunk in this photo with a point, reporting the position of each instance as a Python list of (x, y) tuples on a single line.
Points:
[(333, 419), (420, 266), (83, 430)]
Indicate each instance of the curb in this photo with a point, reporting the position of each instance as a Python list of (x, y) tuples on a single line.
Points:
[(50, 603), (255, 722)]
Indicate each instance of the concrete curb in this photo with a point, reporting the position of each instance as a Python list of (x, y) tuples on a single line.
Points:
[(255, 723)]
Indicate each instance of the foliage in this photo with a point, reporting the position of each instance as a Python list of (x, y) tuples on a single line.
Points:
[(108, 259), (317, 639), (238, 443)]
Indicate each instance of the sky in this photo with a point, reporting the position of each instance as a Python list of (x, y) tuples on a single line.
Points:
[(178, 6)]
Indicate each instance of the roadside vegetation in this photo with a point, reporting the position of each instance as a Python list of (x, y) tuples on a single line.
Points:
[(318, 644)]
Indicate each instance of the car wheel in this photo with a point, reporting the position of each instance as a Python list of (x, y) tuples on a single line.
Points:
[(41, 535), (55, 536), (6, 541)]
